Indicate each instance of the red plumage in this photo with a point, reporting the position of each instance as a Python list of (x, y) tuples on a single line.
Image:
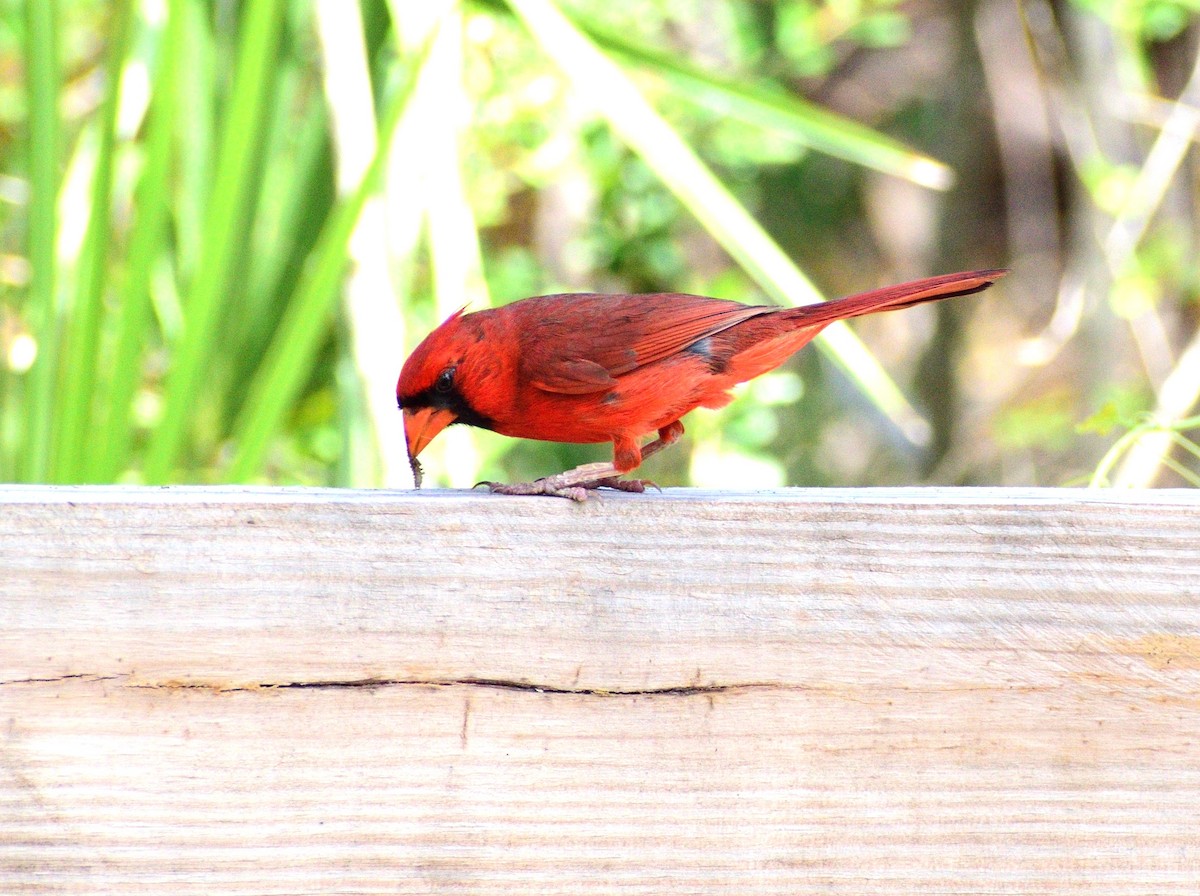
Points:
[(613, 368)]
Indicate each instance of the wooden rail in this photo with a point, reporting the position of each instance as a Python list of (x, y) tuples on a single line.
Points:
[(257, 691)]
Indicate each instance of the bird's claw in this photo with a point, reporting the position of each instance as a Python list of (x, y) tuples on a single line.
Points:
[(568, 485), (537, 487)]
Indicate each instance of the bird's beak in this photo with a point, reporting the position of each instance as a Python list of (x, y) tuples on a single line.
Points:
[(421, 425)]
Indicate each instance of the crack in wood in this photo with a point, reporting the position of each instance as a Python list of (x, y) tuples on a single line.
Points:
[(127, 680), (372, 683), (487, 683), (55, 679)]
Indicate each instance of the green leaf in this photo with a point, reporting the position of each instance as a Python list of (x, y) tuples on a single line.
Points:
[(146, 246), (1103, 422), (792, 116), (81, 347), (287, 362), (222, 241), (43, 83), (769, 107)]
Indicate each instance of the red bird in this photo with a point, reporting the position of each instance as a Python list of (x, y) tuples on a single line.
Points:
[(614, 368)]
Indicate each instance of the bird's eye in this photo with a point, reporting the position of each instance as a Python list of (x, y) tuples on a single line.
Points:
[(445, 381)]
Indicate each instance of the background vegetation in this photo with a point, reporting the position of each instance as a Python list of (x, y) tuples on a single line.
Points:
[(223, 224)]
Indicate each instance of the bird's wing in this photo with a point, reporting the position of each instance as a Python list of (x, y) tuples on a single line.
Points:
[(581, 343)]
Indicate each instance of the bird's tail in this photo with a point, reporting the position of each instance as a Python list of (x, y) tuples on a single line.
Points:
[(931, 289)]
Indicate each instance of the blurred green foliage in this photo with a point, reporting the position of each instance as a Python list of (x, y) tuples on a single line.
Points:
[(1147, 20), (223, 224)]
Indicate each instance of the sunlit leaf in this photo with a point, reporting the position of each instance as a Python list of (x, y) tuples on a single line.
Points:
[(786, 113), (43, 86), (288, 359)]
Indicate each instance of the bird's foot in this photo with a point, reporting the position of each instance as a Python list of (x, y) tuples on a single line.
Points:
[(575, 484)]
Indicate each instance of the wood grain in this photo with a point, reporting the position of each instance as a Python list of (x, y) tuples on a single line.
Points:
[(269, 691)]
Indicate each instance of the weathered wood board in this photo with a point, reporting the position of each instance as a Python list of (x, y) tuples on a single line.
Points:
[(256, 691)]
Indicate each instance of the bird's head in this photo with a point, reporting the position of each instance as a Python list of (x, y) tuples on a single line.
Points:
[(442, 379)]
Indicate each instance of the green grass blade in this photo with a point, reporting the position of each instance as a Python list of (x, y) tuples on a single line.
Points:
[(603, 84), (301, 195), (146, 244), (1100, 476), (196, 132), (769, 108), (77, 389), (1185, 443), (288, 360), (43, 85), (1188, 476), (232, 191), (784, 113)]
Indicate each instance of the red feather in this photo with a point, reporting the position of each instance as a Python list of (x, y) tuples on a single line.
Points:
[(579, 343)]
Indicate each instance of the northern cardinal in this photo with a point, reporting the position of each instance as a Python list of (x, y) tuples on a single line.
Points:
[(613, 368)]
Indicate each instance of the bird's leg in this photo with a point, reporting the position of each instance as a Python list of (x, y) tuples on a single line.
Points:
[(577, 483), (611, 477)]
